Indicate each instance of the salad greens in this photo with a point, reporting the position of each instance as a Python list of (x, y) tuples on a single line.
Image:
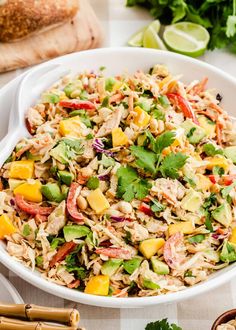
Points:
[(162, 325), (217, 16)]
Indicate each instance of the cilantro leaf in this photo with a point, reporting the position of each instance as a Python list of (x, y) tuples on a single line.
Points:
[(162, 325), (164, 141), (211, 150), (145, 159), (161, 142), (130, 185), (171, 164)]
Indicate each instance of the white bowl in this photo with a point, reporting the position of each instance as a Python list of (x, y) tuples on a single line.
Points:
[(118, 60), (8, 293)]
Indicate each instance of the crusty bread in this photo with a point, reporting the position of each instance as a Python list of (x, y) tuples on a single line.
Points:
[(21, 18), (80, 33)]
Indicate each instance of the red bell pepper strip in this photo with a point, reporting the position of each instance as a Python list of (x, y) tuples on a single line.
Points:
[(32, 208), (225, 180), (63, 251), (180, 102), (145, 209), (74, 284), (72, 209), (116, 253), (77, 104)]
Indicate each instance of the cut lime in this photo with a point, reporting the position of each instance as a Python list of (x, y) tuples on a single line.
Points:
[(186, 38), (137, 39), (151, 38)]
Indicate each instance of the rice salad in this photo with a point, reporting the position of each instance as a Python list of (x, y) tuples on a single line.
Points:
[(126, 186)]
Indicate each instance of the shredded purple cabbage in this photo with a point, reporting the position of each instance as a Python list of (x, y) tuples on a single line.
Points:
[(99, 147), (118, 219), (104, 177)]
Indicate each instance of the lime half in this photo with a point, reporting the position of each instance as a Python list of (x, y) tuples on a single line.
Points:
[(151, 38), (186, 38), (136, 39)]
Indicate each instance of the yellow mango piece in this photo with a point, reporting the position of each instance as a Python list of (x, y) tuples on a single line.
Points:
[(150, 246), (208, 126), (118, 137), (232, 238), (117, 85), (22, 169), (98, 285), (186, 227), (217, 161), (98, 201), (30, 191), (71, 127), (165, 81), (203, 183), (6, 226), (141, 117)]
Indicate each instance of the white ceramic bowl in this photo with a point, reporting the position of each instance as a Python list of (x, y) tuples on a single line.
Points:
[(8, 293), (118, 60)]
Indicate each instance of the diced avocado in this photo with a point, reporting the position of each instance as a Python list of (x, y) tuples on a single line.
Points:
[(52, 192), (192, 201), (230, 152), (131, 265), (110, 266), (208, 125), (13, 183), (148, 284), (50, 98), (159, 267), (64, 191), (60, 153), (228, 253), (142, 140), (109, 83), (31, 156), (212, 255), (193, 132), (189, 175), (223, 214), (39, 261), (75, 231), (144, 103), (66, 177), (71, 87)]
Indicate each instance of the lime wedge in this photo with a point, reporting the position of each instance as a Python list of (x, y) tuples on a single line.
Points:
[(136, 39), (186, 38), (151, 38)]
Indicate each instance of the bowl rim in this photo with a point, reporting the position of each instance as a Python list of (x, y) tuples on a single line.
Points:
[(113, 302), (224, 317)]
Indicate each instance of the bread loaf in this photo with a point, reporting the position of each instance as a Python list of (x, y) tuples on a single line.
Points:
[(21, 18)]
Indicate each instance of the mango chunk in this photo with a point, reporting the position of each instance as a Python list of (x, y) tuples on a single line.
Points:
[(119, 138), (6, 226), (71, 127), (217, 161), (208, 125), (98, 201), (22, 169), (185, 227), (141, 117), (232, 238), (98, 285), (30, 191), (150, 246), (203, 182)]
